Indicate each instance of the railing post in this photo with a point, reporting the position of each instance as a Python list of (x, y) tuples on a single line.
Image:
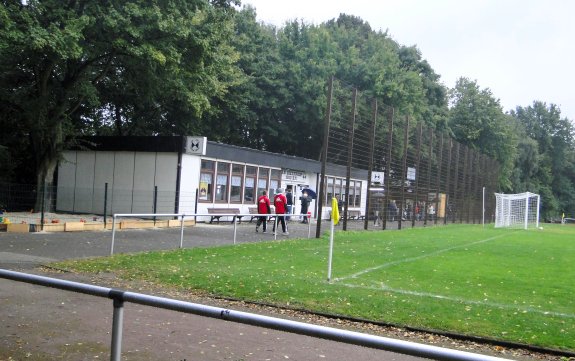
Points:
[(155, 205), (275, 229), (105, 204), (117, 326), (43, 205), (182, 232), (113, 234), (235, 228)]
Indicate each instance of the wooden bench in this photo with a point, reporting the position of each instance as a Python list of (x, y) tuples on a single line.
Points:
[(254, 210), (215, 211), (351, 214), (354, 214)]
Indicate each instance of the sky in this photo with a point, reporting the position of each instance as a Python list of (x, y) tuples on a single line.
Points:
[(522, 50)]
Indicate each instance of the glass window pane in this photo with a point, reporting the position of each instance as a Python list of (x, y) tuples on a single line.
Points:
[(358, 194), (264, 172), (251, 170), (337, 188), (237, 168), (274, 184), (262, 186), (249, 190), (351, 195), (222, 188), (276, 174), (329, 192), (223, 167), (207, 164), (236, 189), (206, 187)]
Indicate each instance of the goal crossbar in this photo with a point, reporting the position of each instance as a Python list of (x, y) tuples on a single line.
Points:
[(517, 210)]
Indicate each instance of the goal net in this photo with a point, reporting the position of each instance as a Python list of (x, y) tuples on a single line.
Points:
[(517, 210)]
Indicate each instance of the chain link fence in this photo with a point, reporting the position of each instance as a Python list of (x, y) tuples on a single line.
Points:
[(417, 176), (22, 203)]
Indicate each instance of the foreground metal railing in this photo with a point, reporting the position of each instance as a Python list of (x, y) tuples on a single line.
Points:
[(182, 216), (350, 337)]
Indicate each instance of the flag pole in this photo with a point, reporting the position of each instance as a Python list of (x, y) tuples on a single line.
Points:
[(330, 251), (334, 221)]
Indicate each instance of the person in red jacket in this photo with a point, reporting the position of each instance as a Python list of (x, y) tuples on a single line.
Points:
[(263, 208), (280, 202)]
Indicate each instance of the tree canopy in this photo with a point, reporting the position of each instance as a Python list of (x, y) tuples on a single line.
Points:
[(142, 67), (211, 68)]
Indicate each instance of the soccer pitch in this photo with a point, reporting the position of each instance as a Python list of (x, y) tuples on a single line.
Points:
[(512, 285)]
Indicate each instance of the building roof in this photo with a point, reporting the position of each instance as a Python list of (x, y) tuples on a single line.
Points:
[(176, 144)]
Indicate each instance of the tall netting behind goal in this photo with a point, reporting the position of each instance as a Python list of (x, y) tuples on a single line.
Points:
[(517, 210)]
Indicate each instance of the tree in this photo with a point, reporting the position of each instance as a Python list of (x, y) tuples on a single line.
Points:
[(249, 113), (140, 64), (551, 173), (476, 120)]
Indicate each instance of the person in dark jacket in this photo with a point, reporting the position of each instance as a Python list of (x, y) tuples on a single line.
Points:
[(392, 211), (289, 198), (305, 200)]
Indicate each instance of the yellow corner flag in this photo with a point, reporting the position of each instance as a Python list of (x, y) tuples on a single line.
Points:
[(334, 211)]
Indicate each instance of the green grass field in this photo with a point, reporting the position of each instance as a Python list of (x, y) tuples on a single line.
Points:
[(512, 285)]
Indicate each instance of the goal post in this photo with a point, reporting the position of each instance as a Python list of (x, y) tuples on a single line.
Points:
[(517, 210)]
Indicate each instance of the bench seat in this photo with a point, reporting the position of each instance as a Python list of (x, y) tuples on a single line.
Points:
[(254, 210), (216, 213)]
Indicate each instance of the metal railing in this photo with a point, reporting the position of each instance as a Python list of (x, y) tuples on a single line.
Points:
[(119, 297), (182, 216)]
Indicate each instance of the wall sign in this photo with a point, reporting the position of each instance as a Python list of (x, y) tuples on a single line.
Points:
[(377, 177), (410, 173), (294, 175), (196, 145)]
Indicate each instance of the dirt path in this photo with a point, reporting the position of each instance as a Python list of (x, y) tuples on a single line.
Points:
[(40, 323)]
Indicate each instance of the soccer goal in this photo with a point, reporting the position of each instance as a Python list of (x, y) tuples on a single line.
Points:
[(517, 210)]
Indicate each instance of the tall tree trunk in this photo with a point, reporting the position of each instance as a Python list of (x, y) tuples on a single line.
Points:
[(47, 143), (45, 185)]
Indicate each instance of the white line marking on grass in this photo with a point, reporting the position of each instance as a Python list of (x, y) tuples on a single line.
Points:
[(461, 300), (411, 259)]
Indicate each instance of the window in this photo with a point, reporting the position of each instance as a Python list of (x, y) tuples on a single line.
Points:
[(335, 187), (276, 174), (343, 190), (337, 190), (274, 184), (250, 182), (329, 191), (206, 187), (249, 190), (275, 180), (222, 182), (357, 193), (263, 180), (351, 195), (236, 184)]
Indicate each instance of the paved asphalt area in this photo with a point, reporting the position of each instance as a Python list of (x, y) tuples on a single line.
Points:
[(65, 325)]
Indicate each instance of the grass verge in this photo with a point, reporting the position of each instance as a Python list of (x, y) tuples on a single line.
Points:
[(512, 285)]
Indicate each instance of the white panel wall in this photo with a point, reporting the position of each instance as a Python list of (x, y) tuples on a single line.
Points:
[(123, 182), (166, 171), (103, 173), (189, 182), (131, 178), (83, 197), (143, 190), (66, 182), (166, 176)]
